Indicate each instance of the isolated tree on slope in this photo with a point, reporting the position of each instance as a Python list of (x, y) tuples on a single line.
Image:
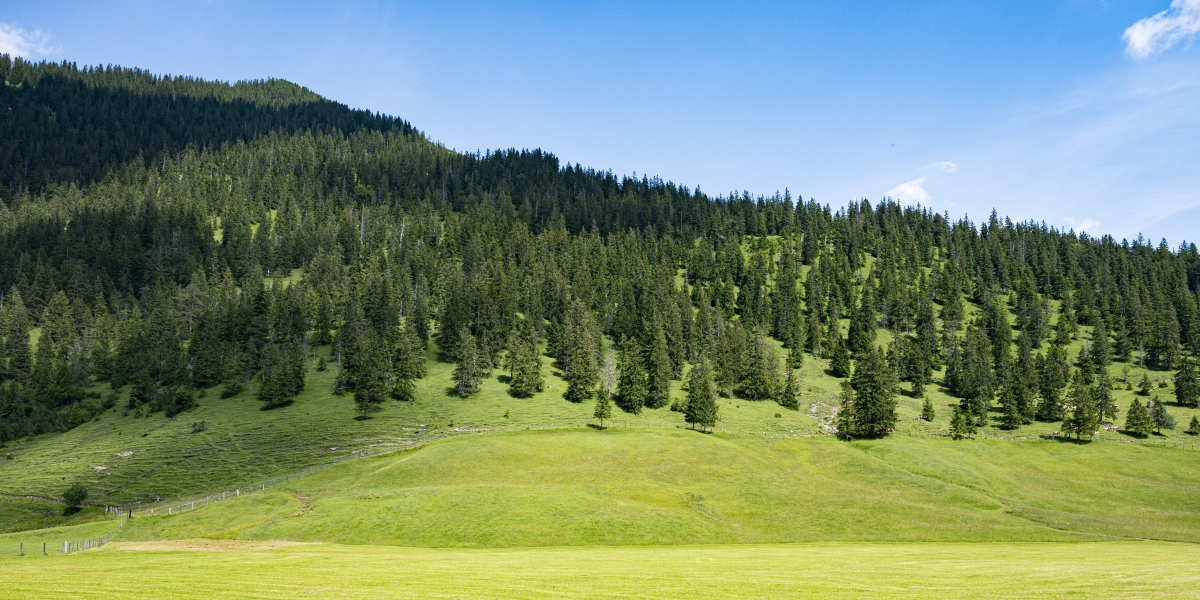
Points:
[(1187, 385), (874, 406), (1137, 419), (603, 406), (1083, 412), (631, 383), (466, 373), (702, 404)]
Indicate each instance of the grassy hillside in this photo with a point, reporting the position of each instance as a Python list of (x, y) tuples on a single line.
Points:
[(625, 486), (124, 458), (263, 570)]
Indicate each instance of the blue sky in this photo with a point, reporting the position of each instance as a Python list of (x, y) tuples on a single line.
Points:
[(1084, 114)]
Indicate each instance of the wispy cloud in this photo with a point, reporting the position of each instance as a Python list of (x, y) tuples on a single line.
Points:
[(16, 41), (1091, 226), (910, 191), (1152, 35), (944, 165)]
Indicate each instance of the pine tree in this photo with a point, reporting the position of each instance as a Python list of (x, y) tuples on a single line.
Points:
[(701, 408), (839, 358), (466, 371), (603, 407), (961, 424), (760, 379), (1083, 411), (927, 413), (658, 392), (408, 364), (1194, 426), (1144, 386), (1105, 402), (788, 397), (1160, 417), (583, 369), (1053, 381), (1187, 385), (1137, 419), (875, 396), (795, 359), (373, 380), (631, 384)]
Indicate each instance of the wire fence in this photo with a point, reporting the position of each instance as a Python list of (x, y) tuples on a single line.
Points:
[(67, 546)]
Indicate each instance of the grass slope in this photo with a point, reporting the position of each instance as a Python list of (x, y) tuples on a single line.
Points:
[(212, 570), (624, 486)]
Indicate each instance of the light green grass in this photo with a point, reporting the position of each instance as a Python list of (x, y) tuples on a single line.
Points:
[(638, 487), (1048, 570)]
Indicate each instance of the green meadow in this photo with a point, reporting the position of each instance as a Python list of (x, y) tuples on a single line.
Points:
[(840, 570)]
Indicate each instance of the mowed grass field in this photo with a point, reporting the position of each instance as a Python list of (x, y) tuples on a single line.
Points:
[(206, 569)]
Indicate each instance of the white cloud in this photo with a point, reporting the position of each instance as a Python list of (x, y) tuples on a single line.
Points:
[(16, 41), (1152, 35), (1091, 226), (910, 191), (946, 166)]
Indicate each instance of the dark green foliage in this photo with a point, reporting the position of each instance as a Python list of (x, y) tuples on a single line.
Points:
[(1082, 410), (701, 407), (524, 362), (603, 408), (1137, 419), (631, 384), (927, 413), (1194, 426), (658, 380), (75, 495), (212, 226), (962, 424), (1144, 386), (872, 411), (839, 358), (1187, 384), (760, 375), (467, 368), (789, 393), (1159, 415)]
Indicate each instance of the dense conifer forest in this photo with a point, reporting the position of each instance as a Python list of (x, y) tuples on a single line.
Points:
[(190, 240)]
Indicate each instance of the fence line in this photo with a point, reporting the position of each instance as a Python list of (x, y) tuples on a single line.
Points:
[(72, 546)]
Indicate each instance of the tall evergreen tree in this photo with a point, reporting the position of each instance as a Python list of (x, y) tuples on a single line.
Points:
[(702, 407), (1137, 419), (1187, 384), (631, 384)]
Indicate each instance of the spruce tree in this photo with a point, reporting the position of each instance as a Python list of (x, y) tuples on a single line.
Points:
[(701, 407), (1137, 419), (1194, 426), (875, 396), (658, 381), (373, 379), (962, 424), (603, 407), (839, 358), (788, 394), (466, 371), (631, 383), (1159, 415), (583, 368), (1083, 411), (760, 379), (1187, 385), (927, 413), (1144, 386)]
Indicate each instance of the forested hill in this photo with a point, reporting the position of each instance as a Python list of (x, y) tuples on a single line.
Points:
[(168, 236), (65, 124)]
